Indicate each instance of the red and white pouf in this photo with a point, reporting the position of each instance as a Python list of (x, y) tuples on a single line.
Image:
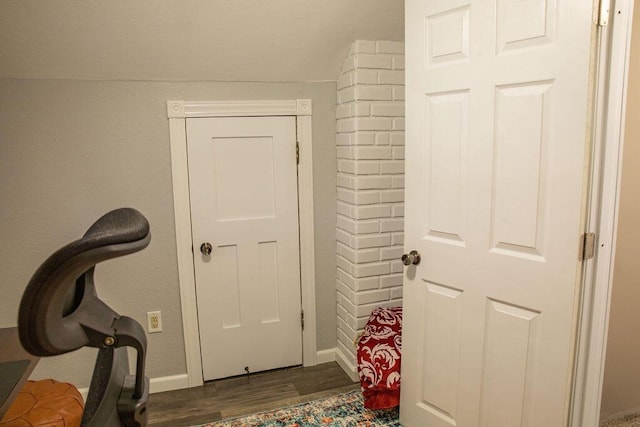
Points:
[(379, 353)]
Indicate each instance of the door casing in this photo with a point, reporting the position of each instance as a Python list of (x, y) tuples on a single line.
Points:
[(609, 107), (178, 112)]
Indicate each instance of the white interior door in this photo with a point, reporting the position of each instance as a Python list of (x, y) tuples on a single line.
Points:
[(244, 202), (497, 100)]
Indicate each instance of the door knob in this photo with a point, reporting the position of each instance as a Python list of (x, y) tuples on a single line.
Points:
[(412, 257), (206, 248)]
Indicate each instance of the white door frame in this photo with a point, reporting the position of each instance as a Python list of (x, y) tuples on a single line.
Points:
[(178, 112), (613, 43)]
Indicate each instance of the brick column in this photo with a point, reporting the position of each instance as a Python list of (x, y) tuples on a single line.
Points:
[(370, 223)]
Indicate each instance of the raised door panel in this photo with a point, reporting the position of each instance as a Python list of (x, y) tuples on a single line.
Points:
[(244, 178), (441, 347), (511, 347), (521, 149), (446, 139)]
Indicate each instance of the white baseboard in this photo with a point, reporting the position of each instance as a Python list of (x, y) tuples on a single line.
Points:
[(156, 385), (326, 356), (347, 366), (84, 392), (172, 382)]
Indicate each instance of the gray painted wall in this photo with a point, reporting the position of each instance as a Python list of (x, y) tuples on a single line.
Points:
[(71, 150)]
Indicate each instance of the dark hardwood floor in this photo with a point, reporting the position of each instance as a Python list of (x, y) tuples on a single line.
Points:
[(233, 397)]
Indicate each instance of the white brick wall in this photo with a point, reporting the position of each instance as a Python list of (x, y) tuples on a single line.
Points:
[(370, 149)]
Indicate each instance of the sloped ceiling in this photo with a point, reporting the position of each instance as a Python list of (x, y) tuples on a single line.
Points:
[(220, 40)]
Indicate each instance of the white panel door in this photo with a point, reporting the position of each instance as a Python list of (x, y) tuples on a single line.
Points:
[(244, 202), (497, 94)]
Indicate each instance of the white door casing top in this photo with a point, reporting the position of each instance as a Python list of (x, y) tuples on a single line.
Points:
[(244, 204), (497, 100), (178, 112)]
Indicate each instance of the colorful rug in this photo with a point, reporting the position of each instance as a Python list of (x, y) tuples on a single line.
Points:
[(628, 421), (344, 410)]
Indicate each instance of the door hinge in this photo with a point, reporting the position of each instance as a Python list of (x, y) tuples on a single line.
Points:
[(587, 246), (302, 320), (603, 13), (297, 153)]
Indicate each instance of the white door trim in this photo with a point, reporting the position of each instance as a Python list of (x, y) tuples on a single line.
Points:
[(609, 118), (178, 112)]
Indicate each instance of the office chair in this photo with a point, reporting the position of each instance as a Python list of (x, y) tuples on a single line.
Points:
[(61, 312)]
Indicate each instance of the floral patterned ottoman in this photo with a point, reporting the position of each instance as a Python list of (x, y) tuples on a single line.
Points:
[(379, 351)]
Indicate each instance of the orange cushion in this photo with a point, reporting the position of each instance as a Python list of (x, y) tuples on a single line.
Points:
[(45, 403)]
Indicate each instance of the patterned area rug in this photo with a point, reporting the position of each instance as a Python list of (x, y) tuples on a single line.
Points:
[(628, 421), (345, 410)]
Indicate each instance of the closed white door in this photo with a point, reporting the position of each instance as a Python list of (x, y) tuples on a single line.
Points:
[(244, 204), (497, 106)]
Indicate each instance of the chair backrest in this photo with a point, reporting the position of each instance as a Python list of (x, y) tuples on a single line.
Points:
[(61, 312)]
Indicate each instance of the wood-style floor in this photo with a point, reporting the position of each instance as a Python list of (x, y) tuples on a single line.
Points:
[(233, 397)]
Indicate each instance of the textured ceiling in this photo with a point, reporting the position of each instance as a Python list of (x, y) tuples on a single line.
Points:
[(235, 40)]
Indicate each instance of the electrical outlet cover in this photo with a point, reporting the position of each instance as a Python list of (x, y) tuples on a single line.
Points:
[(154, 321)]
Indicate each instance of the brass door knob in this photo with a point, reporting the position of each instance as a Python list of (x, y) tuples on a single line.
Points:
[(412, 257), (206, 248)]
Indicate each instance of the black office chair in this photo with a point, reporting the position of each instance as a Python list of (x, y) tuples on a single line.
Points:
[(60, 312)]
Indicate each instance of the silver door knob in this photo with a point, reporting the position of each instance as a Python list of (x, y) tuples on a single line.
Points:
[(412, 257), (206, 248)]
